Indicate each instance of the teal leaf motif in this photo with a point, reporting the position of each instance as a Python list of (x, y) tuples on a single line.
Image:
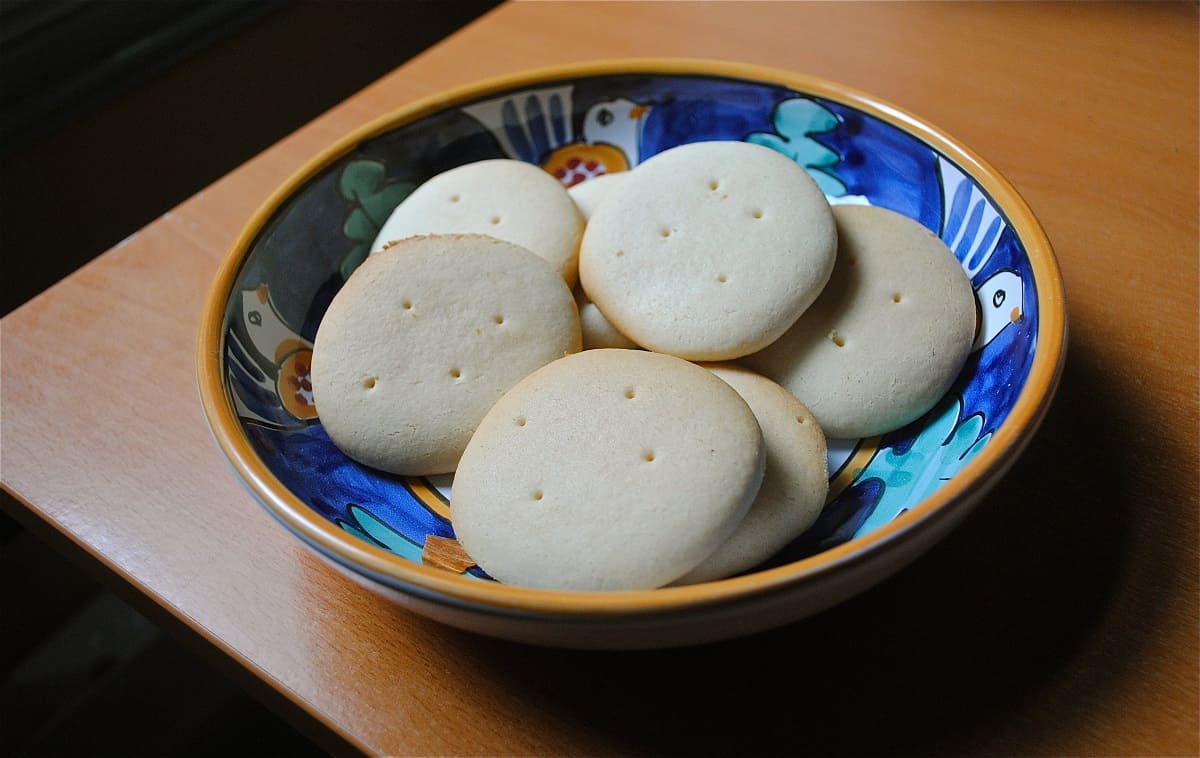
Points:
[(944, 446), (364, 184), (796, 121), (359, 226), (354, 259), (364, 525)]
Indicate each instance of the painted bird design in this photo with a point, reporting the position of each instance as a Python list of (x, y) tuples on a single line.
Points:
[(537, 126), (273, 370)]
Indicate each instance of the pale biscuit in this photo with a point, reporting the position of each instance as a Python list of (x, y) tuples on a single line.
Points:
[(709, 251), (597, 331), (506, 199), (424, 338), (607, 470), (794, 485), (889, 334), (588, 195)]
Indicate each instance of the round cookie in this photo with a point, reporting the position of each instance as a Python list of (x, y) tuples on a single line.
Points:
[(506, 199), (588, 195), (794, 484), (425, 337), (606, 470), (709, 251), (597, 331), (889, 334)]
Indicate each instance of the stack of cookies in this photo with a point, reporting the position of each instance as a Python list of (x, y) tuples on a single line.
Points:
[(666, 421)]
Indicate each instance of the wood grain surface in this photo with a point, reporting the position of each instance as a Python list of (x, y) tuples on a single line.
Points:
[(1061, 618)]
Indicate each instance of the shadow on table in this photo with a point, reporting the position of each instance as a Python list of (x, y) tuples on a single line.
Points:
[(963, 647)]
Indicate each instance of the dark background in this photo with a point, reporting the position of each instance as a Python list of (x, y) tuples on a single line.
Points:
[(111, 113)]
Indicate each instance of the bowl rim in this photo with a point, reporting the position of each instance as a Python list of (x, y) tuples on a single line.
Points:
[(961, 491)]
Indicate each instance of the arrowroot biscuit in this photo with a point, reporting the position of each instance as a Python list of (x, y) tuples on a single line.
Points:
[(607, 470), (506, 199), (709, 251), (889, 333), (588, 195), (424, 338), (597, 331), (794, 484)]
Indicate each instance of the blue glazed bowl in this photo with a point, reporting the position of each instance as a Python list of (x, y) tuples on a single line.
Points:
[(891, 497)]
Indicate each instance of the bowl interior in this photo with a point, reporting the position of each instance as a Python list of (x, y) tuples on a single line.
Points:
[(578, 127)]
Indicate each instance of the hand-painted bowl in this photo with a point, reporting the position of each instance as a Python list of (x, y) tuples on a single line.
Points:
[(892, 496)]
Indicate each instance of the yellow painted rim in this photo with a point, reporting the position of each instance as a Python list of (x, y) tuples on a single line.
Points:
[(977, 476)]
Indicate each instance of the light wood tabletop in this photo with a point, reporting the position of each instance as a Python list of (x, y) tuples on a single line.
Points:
[(1060, 618)]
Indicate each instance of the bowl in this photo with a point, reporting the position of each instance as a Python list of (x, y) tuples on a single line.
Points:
[(891, 496)]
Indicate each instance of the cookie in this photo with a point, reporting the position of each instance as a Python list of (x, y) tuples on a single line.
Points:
[(794, 484), (506, 199), (888, 335), (424, 338), (709, 251), (587, 195), (596, 329), (607, 470)]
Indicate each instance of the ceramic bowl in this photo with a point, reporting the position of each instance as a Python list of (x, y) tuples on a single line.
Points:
[(892, 496)]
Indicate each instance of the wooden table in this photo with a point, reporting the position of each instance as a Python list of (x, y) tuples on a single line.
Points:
[(1060, 618)]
